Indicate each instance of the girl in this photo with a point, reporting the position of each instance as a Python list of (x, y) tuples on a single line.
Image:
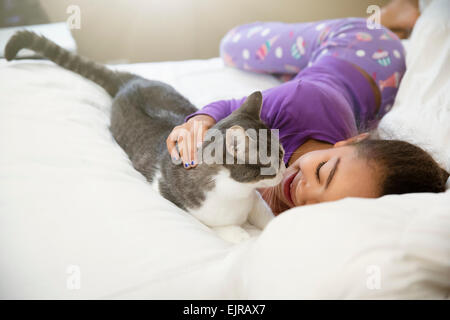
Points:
[(342, 78)]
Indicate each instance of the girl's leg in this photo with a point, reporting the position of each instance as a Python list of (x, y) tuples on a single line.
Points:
[(271, 47), (280, 48), (377, 51)]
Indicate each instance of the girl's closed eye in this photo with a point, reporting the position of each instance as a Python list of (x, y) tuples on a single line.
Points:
[(318, 170)]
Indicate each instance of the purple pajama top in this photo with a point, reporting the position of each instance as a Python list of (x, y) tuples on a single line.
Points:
[(328, 101)]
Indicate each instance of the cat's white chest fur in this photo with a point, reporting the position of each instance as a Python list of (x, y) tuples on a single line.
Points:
[(228, 203)]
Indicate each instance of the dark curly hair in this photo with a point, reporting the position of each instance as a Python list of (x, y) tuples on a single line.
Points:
[(404, 167)]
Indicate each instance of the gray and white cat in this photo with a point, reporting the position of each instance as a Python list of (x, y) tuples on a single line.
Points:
[(144, 112)]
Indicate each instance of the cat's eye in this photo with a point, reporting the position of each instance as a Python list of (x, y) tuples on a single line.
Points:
[(318, 170)]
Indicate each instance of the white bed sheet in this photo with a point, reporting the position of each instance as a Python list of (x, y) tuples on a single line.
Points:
[(70, 197)]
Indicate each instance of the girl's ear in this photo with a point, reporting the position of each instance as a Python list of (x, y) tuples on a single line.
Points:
[(355, 139)]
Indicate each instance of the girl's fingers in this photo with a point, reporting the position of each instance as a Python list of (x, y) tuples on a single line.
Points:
[(171, 145), (196, 142), (183, 144), (202, 137), (188, 139), (191, 150)]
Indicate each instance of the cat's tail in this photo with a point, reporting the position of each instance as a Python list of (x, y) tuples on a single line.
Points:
[(110, 80)]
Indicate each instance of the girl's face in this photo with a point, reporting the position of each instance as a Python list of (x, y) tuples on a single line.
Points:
[(327, 175)]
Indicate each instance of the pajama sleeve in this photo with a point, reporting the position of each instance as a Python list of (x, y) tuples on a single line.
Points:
[(275, 101), (219, 109)]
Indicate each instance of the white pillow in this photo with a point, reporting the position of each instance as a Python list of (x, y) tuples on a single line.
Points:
[(392, 247), (421, 113), (396, 247)]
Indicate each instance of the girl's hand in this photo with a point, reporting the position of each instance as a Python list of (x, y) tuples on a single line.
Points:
[(189, 136)]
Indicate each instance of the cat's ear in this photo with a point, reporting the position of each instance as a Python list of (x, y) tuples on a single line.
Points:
[(235, 142), (253, 104)]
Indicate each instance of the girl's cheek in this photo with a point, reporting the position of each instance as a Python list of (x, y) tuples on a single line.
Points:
[(303, 193)]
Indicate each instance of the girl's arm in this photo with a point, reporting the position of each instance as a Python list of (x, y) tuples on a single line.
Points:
[(219, 109), (276, 101)]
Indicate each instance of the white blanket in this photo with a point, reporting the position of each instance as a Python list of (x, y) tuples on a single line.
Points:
[(77, 221)]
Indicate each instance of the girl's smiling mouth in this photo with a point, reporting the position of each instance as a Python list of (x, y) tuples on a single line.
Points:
[(287, 187)]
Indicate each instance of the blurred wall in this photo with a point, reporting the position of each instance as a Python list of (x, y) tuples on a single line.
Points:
[(160, 30)]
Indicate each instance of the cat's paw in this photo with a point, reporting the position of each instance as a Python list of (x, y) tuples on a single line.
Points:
[(233, 234)]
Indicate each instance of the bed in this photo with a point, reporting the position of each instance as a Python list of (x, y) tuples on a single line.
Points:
[(78, 222)]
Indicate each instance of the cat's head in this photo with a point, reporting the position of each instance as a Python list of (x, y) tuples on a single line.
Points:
[(243, 144)]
